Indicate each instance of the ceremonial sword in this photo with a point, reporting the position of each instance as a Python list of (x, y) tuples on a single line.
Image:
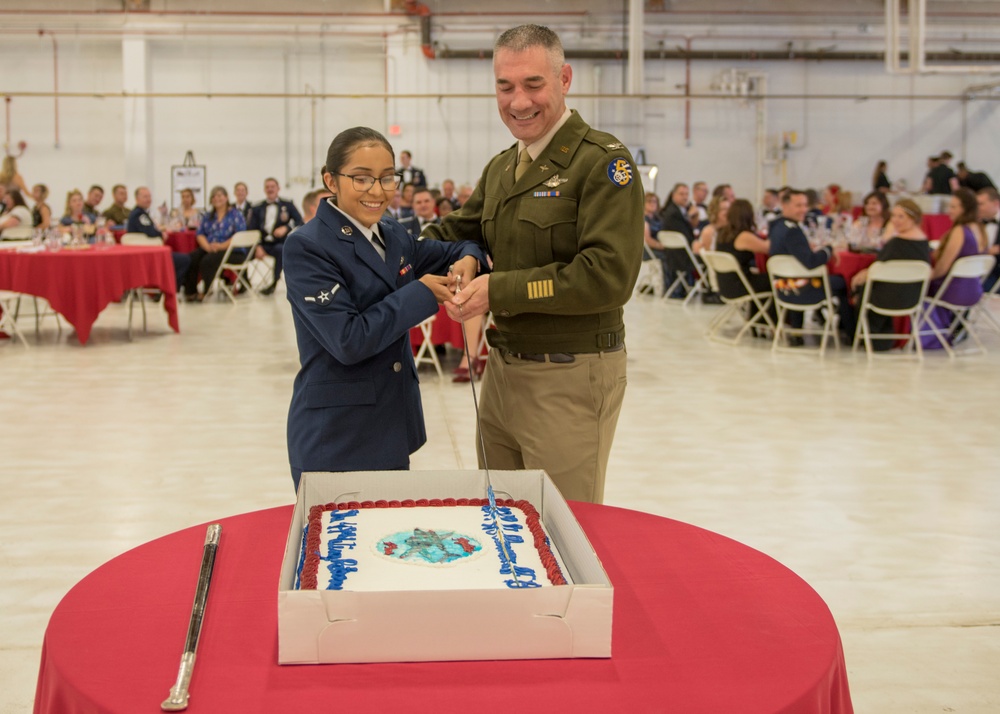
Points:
[(178, 699)]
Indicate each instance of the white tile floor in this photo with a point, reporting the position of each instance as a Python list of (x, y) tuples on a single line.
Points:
[(877, 483)]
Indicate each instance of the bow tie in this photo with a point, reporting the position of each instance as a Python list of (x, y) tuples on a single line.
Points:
[(994, 221)]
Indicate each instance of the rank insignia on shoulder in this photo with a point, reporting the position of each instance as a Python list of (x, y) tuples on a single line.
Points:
[(620, 172), (564, 149), (555, 181), (323, 297), (616, 145), (347, 230)]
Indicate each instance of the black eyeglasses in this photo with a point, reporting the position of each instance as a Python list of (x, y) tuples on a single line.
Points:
[(363, 182)]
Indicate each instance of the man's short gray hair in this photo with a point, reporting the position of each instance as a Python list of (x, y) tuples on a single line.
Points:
[(523, 37)]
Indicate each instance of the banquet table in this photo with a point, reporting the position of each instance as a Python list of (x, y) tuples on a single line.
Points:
[(79, 284), (444, 331), (935, 225), (702, 623), (177, 241), (849, 264)]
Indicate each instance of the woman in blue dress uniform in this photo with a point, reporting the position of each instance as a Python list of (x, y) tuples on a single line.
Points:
[(357, 283)]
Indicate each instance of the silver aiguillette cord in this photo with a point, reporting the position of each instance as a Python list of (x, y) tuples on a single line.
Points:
[(479, 428), (178, 699)]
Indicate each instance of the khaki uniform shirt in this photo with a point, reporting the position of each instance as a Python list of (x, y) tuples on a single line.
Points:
[(565, 240), (118, 215)]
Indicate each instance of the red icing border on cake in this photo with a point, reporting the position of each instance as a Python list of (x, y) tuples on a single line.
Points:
[(533, 521)]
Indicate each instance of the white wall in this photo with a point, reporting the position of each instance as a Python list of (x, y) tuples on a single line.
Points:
[(251, 138)]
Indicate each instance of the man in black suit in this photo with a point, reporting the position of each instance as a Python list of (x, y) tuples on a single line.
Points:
[(989, 213), (410, 173), (274, 217), (423, 213)]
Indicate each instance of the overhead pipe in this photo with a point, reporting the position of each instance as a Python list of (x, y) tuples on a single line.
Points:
[(418, 9), (729, 55)]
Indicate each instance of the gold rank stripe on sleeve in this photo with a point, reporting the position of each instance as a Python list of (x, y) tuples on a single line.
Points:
[(540, 289)]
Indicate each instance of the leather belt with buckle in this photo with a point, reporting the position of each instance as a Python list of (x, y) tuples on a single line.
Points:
[(556, 357)]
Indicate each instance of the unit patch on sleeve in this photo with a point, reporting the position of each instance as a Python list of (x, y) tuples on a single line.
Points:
[(540, 289), (620, 172)]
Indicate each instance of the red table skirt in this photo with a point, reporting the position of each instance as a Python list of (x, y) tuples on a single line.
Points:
[(444, 331), (935, 225), (702, 624), (79, 284), (177, 241)]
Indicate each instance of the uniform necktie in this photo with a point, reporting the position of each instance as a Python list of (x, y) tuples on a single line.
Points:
[(523, 162), (378, 244)]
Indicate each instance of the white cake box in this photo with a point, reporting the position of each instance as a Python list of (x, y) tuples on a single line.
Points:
[(320, 626)]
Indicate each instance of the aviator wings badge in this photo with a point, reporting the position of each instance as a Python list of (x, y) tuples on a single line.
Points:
[(555, 181)]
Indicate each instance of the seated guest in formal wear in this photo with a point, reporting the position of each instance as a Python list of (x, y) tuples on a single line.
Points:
[(717, 209), (41, 215), (406, 200), (356, 399), (724, 190), (94, 197), (973, 180), (214, 235), (444, 207), (843, 210), (770, 206), (880, 182), (815, 216), (872, 223), (16, 211), (140, 221), (965, 238), (410, 173), (310, 203), (117, 214), (905, 241), (674, 217), (464, 193), (275, 218), (240, 202), (699, 199), (989, 214), (788, 238), (651, 227), (423, 213), (75, 214), (189, 215), (738, 237), (448, 192)]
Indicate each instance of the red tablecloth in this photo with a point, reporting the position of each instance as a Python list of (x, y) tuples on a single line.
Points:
[(701, 624), (935, 225), (444, 331), (177, 241), (80, 283), (849, 264)]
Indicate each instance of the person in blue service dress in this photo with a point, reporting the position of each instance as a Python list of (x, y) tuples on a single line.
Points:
[(357, 283)]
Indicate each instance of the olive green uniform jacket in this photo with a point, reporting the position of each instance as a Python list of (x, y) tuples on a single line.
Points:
[(565, 240)]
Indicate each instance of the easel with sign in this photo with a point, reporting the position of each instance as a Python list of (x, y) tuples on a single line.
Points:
[(188, 175)]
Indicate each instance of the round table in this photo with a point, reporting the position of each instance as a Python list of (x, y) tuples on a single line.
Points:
[(79, 284), (849, 264), (701, 624)]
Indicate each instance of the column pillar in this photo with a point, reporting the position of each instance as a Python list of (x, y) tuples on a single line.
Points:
[(138, 117)]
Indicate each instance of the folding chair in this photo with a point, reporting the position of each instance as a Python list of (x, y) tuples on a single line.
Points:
[(790, 277), (983, 307), (17, 233), (426, 354), (679, 253), (8, 315), (894, 272), (728, 280), (650, 274), (140, 293), (971, 267), (241, 240)]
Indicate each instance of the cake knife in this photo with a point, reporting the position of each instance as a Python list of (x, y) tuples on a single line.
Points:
[(178, 699)]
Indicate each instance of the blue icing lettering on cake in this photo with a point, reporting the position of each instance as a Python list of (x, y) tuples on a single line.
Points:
[(370, 549)]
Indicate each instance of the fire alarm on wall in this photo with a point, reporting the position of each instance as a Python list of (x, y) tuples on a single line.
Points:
[(395, 130)]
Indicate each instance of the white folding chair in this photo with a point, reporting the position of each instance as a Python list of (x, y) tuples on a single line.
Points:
[(984, 307), (241, 240), (426, 354), (650, 274), (8, 315), (136, 238), (971, 267), (732, 286), (676, 245), (17, 233), (894, 272), (789, 275)]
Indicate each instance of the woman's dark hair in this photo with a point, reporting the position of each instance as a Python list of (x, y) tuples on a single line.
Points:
[(347, 141), (739, 218), (880, 197), (970, 209), (16, 198)]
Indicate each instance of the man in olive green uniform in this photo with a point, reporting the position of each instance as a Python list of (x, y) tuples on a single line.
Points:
[(561, 212)]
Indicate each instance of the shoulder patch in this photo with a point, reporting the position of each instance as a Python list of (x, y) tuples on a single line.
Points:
[(620, 172)]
